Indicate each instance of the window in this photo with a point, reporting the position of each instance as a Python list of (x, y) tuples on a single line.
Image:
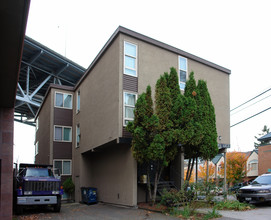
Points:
[(182, 72), (37, 123), (36, 148), (130, 59), (78, 135), (63, 100), (63, 133), (78, 102), (253, 165), (64, 166), (129, 106)]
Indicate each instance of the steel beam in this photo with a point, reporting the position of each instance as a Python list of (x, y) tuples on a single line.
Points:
[(27, 100), (72, 83), (39, 87)]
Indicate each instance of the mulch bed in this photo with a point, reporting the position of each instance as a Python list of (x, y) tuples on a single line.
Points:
[(155, 208)]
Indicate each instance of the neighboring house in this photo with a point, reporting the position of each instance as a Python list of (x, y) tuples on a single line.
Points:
[(85, 126), (218, 161), (264, 154), (252, 165), (14, 15)]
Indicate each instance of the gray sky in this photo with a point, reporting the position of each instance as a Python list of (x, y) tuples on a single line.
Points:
[(233, 34)]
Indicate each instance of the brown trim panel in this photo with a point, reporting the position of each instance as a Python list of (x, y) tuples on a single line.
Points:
[(130, 83)]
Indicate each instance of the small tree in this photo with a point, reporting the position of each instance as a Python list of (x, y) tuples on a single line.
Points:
[(265, 131), (68, 186), (236, 167), (203, 171)]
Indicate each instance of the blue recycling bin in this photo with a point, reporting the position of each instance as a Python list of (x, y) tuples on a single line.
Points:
[(89, 195)]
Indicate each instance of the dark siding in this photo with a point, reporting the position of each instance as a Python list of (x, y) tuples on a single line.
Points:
[(130, 83), (62, 150), (125, 133), (63, 117)]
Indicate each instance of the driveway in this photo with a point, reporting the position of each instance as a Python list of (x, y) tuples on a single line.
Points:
[(110, 212), (93, 212)]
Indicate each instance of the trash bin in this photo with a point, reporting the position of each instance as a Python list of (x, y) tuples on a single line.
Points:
[(89, 195)]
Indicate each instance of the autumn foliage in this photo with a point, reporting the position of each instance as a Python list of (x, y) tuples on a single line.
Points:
[(236, 167), (192, 178), (202, 173)]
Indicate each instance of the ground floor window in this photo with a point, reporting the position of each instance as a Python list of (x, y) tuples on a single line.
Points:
[(64, 166)]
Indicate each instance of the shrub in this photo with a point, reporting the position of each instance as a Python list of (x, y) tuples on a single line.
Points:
[(68, 186), (233, 205)]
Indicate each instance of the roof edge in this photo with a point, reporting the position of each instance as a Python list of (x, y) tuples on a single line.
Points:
[(53, 86), (152, 41)]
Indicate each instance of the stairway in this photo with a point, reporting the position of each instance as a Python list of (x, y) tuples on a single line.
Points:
[(168, 185)]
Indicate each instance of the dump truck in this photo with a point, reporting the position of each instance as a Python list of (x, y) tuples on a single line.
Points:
[(36, 185)]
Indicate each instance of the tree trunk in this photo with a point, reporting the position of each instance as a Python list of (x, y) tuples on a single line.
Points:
[(158, 173), (188, 169), (191, 169), (207, 171)]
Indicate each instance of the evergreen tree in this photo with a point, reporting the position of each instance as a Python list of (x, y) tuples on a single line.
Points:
[(192, 147), (208, 146), (265, 131)]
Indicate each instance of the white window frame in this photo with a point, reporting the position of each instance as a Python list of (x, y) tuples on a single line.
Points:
[(124, 67), (37, 148), (129, 119), (63, 93), (179, 68), (37, 123), (251, 163), (62, 133), (62, 161), (77, 143), (78, 104)]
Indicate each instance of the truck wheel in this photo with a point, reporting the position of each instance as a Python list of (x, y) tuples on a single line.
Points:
[(57, 206), (19, 209)]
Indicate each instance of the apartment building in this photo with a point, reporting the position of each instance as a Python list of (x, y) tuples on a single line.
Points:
[(82, 129)]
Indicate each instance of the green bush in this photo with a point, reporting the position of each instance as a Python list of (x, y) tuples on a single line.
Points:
[(68, 186), (172, 197), (233, 205), (212, 214)]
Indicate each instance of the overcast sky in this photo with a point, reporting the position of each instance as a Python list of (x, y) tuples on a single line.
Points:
[(233, 34)]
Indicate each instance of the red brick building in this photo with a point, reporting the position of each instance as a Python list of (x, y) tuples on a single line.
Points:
[(264, 152)]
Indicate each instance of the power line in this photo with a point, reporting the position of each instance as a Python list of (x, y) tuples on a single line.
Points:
[(250, 105), (250, 117), (251, 99)]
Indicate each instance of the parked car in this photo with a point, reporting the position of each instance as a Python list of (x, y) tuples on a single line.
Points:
[(236, 187), (258, 192)]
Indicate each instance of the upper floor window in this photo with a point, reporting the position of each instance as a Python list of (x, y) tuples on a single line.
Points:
[(78, 102), (130, 59), (37, 123), (182, 72), (37, 148), (63, 100), (78, 135), (129, 106), (63, 133), (64, 166), (253, 165)]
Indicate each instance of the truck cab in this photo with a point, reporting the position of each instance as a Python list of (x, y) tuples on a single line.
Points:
[(36, 185)]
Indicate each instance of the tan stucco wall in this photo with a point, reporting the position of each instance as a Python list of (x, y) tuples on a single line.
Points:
[(99, 92), (114, 172), (154, 61), (43, 134), (253, 156)]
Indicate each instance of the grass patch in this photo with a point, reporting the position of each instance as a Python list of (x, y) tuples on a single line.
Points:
[(233, 205), (188, 213), (212, 214)]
